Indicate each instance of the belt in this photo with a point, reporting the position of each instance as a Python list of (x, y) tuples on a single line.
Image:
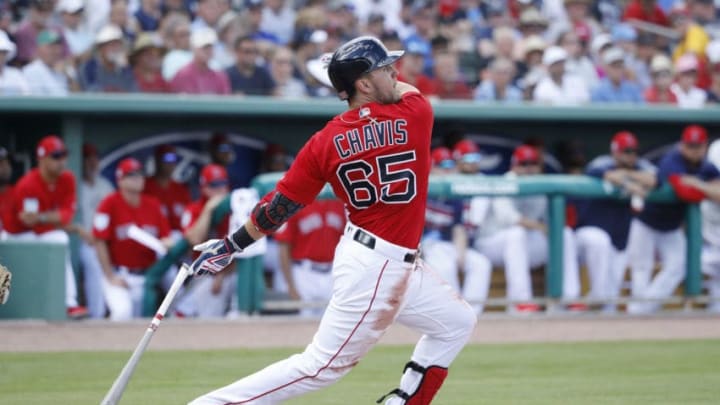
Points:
[(319, 267), (370, 242)]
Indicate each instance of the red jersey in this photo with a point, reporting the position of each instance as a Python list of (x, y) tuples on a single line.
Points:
[(32, 193), (314, 232), (652, 95), (5, 199), (377, 161), (635, 10), (173, 199), (192, 213), (111, 222)]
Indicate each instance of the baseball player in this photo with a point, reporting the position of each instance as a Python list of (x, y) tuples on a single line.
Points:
[(172, 195), (306, 244), (43, 205), (658, 228), (512, 232), (124, 260), (6, 187), (376, 157), (216, 292), (603, 224), (711, 229), (446, 241)]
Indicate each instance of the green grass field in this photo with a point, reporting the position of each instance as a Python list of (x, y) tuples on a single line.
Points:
[(672, 372)]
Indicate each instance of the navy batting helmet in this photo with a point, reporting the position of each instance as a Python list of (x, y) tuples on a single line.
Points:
[(355, 58)]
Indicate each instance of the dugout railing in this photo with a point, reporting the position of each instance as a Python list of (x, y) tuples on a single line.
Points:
[(556, 187)]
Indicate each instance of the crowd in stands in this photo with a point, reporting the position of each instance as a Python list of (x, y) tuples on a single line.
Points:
[(557, 52)]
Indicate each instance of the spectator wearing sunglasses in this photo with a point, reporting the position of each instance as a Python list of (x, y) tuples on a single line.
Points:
[(42, 207), (603, 224)]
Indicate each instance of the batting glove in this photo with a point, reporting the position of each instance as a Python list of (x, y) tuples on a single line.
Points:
[(216, 255)]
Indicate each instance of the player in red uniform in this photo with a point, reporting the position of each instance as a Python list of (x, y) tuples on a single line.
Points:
[(214, 293), (173, 196), (306, 244), (376, 157), (42, 207), (124, 260)]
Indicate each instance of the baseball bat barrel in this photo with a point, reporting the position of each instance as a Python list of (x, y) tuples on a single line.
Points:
[(118, 388)]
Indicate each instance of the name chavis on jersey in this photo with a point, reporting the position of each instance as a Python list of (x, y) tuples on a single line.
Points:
[(374, 135)]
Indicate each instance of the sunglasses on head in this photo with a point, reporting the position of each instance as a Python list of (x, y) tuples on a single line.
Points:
[(59, 155)]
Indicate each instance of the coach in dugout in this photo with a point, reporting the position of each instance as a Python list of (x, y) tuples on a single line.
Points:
[(658, 228), (603, 224), (123, 260), (43, 205)]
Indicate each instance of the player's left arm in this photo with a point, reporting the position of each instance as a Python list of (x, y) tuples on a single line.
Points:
[(711, 188), (63, 215)]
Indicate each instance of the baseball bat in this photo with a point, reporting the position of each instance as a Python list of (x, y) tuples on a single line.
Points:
[(118, 388)]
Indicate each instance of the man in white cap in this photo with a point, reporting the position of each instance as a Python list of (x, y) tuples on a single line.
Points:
[(686, 71), (558, 87), (50, 74), (197, 77), (12, 81), (77, 35), (616, 87), (108, 71)]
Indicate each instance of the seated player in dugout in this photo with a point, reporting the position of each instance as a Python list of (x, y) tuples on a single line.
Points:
[(173, 195)]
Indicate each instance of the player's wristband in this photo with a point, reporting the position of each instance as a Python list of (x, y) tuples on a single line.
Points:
[(242, 239)]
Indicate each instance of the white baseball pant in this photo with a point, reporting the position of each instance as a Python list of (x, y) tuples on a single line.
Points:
[(643, 243), (59, 237), (442, 256), (519, 250), (313, 285), (605, 263), (125, 303), (710, 260), (372, 288), (92, 281)]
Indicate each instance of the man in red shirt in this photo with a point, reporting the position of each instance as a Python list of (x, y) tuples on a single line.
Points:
[(123, 260), (42, 207), (197, 77), (306, 244), (376, 158), (172, 195), (213, 293), (6, 186)]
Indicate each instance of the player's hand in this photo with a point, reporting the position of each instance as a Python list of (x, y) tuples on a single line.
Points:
[(29, 218), (118, 282), (216, 255)]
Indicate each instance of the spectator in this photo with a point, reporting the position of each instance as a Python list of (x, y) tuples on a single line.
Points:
[(661, 70), (599, 44), (498, 87), (375, 25), (108, 71), (411, 68), (146, 61), (657, 231), (37, 20), (12, 81), (448, 81), (558, 87), (120, 17), (173, 196), (511, 233), (43, 205), (624, 37), (97, 14), (246, 76), (6, 187), (49, 74), (688, 95), (341, 19), (577, 63), (281, 71), (208, 13), (531, 22), (176, 35), (210, 296), (603, 224), (305, 248), (714, 91), (307, 47), (278, 17), (423, 24), (147, 17), (123, 260), (229, 30), (447, 237), (251, 18), (645, 10), (578, 20), (197, 77), (93, 189), (77, 35), (693, 38), (615, 87), (532, 49)]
